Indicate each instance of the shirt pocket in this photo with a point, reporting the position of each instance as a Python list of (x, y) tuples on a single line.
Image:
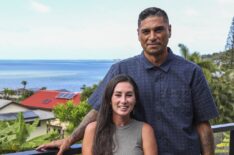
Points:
[(178, 100)]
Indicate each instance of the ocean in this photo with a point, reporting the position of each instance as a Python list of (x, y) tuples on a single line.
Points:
[(52, 74)]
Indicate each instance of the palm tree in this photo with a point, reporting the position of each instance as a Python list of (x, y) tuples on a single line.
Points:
[(184, 51), (6, 93), (24, 83), (207, 66)]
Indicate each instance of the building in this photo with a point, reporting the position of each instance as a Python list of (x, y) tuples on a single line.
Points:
[(39, 105), (9, 111), (48, 99)]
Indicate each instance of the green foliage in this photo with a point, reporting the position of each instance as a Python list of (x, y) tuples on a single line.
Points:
[(222, 87), (230, 44), (46, 138), (223, 93), (222, 59), (207, 65), (223, 146), (7, 92), (73, 114), (26, 94), (14, 134), (87, 91)]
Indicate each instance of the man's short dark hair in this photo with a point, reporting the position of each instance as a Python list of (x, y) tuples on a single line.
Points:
[(152, 11)]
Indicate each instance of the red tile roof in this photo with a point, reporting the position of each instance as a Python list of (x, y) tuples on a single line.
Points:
[(47, 99)]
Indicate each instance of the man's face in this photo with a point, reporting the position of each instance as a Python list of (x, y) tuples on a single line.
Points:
[(153, 34)]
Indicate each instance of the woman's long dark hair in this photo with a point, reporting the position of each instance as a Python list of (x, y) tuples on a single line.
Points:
[(103, 139)]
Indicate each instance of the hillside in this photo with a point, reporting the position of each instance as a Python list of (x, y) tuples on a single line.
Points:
[(221, 58)]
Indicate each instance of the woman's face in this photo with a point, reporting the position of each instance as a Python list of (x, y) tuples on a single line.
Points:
[(123, 99)]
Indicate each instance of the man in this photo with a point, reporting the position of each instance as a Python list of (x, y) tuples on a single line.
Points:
[(174, 95)]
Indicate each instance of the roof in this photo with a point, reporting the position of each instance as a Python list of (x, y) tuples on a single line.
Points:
[(63, 90), (44, 115), (48, 99), (4, 103), (28, 115)]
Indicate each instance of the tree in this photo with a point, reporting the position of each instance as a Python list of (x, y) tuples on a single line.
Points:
[(230, 43), (24, 83), (73, 114), (6, 93), (87, 91), (11, 92), (184, 51), (26, 94), (14, 135), (223, 92), (207, 66)]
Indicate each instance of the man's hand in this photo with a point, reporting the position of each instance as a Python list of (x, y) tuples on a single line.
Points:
[(77, 135), (62, 145)]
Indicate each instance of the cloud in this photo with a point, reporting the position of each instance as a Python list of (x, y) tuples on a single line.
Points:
[(39, 7), (69, 38)]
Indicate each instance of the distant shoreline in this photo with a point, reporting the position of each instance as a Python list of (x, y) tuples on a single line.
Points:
[(53, 74)]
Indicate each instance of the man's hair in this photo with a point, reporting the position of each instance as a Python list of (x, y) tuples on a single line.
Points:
[(152, 11)]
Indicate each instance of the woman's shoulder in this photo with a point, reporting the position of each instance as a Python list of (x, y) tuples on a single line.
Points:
[(147, 127), (144, 124), (91, 127)]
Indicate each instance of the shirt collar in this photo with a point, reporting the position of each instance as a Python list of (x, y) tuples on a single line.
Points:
[(164, 66)]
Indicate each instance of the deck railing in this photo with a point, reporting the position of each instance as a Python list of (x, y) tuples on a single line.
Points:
[(76, 148), (224, 128)]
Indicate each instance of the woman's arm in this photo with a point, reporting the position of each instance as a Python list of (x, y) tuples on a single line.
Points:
[(149, 141), (87, 144)]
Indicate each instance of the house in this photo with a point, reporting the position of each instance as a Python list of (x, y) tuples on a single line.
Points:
[(8, 106), (39, 105), (48, 99), (9, 111)]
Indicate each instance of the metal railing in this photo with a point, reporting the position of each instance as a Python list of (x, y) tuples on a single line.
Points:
[(76, 148), (224, 128)]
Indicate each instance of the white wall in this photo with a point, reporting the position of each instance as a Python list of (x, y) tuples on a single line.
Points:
[(13, 107), (40, 130)]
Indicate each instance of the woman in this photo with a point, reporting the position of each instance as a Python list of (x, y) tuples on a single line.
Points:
[(115, 132)]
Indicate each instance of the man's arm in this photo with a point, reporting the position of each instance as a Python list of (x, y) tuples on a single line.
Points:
[(206, 138), (77, 135)]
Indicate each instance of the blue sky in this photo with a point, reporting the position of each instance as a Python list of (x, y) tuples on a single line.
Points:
[(105, 29)]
